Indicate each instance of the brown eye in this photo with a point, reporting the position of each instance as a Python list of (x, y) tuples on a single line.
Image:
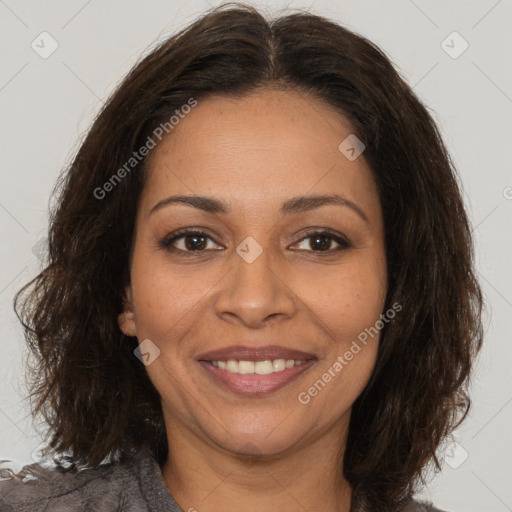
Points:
[(322, 242), (189, 241), (194, 242)]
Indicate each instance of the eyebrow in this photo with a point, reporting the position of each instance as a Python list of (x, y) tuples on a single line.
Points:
[(291, 206)]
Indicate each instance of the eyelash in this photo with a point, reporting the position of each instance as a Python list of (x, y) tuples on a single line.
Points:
[(166, 243)]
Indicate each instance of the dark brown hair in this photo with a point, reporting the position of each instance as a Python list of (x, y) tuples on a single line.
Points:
[(96, 396)]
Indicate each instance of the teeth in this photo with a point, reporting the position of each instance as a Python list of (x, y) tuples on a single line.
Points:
[(259, 367), (263, 367), (232, 366), (279, 365), (245, 367)]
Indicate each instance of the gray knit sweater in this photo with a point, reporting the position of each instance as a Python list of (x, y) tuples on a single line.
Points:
[(133, 486)]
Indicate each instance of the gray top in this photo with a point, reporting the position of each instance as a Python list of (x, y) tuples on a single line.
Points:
[(132, 486)]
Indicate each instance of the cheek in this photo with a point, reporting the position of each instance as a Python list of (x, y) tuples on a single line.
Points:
[(347, 306), (347, 300), (166, 300)]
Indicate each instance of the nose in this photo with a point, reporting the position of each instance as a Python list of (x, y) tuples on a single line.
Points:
[(255, 291)]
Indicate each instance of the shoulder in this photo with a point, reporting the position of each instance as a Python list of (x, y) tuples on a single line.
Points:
[(420, 506), (36, 488), (361, 503)]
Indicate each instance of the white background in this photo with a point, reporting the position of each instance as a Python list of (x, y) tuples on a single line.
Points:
[(48, 104)]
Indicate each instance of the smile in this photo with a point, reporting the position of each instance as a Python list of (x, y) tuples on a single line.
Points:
[(255, 370), (259, 367)]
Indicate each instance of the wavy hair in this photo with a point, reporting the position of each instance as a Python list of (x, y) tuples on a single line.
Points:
[(96, 397)]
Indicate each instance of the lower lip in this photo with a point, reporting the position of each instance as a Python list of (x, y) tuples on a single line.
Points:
[(253, 384)]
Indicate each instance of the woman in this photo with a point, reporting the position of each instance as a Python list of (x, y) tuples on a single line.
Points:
[(260, 292)]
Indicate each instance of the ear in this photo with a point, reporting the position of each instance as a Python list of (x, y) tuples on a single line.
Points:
[(126, 319)]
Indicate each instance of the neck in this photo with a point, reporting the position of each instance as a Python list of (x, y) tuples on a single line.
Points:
[(204, 477)]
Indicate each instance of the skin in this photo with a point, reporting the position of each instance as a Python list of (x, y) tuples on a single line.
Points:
[(231, 452)]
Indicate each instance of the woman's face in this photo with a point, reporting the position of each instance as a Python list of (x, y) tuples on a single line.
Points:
[(262, 280)]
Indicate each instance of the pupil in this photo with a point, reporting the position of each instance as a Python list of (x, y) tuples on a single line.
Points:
[(194, 246), (322, 246)]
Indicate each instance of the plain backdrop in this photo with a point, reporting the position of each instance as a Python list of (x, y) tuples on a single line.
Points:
[(455, 54)]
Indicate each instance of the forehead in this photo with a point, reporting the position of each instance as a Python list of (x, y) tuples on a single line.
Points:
[(263, 146)]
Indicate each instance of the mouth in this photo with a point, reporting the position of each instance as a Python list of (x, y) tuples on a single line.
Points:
[(255, 371)]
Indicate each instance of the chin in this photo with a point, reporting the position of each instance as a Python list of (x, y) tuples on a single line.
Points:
[(258, 446), (269, 439)]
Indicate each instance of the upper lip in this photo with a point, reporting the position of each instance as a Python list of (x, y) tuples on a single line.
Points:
[(246, 353)]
